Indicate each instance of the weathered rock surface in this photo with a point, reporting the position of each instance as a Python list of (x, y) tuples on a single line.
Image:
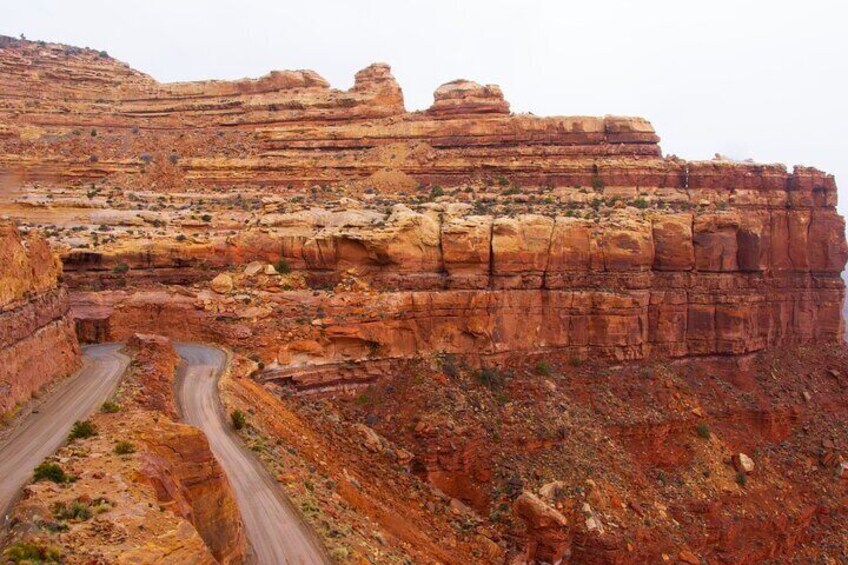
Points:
[(37, 339), (548, 536)]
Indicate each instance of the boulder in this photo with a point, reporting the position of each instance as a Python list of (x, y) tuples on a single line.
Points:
[(222, 284), (467, 97), (743, 464), (547, 534)]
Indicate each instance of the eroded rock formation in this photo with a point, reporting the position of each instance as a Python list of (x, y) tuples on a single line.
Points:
[(37, 339), (327, 235), (575, 226)]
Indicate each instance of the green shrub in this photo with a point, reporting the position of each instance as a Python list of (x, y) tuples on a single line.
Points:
[(82, 430), (238, 419), (29, 552), (489, 378), (124, 448), (741, 479), (640, 203), (120, 268), (110, 407), (436, 191), (50, 472), (76, 510), (543, 368), (283, 266), (206, 218), (703, 431), (362, 400)]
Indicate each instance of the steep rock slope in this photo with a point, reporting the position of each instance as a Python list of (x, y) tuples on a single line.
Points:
[(37, 339), (567, 233)]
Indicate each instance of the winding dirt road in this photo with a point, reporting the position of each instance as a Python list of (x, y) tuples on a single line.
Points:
[(43, 431), (276, 533)]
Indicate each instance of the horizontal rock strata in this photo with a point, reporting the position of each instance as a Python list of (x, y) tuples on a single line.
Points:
[(37, 339)]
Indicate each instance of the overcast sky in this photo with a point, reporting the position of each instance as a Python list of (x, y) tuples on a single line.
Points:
[(765, 79)]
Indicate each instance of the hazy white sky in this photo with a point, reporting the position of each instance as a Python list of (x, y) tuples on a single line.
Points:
[(761, 79)]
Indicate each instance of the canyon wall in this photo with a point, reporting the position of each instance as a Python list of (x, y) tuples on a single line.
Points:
[(37, 339), (463, 228)]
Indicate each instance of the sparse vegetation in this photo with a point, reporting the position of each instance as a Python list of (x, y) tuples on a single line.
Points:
[(282, 266), (490, 378), (543, 368), (76, 510), (110, 407), (82, 430), (703, 431), (124, 448), (206, 218), (120, 268), (640, 203), (238, 419), (50, 472), (31, 552), (597, 182)]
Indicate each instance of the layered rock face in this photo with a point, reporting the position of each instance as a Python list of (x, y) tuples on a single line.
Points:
[(90, 116), (37, 339), (474, 230)]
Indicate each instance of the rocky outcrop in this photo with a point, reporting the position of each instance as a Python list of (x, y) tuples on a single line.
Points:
[(467, 97), (189, 481), (547, 529), (503, 233), (156, 363), (630, 282), (37, 339), (177, 460), (95, 118)]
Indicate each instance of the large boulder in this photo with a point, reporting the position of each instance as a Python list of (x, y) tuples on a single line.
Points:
[(547, 533)]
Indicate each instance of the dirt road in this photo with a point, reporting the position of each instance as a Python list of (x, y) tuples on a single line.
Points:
[(275, 531), (44, 430)]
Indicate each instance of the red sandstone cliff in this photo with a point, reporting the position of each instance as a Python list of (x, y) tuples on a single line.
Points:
[(566, 233), (37, 339)]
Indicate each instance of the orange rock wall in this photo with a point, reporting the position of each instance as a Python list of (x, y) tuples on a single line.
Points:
[(684, 258), (37, 339)]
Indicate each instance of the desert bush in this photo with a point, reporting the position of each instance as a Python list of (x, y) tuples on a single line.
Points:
[(76, 510), (543, 368), (31, 552), (82, 430), (640, 203), (238, 419), (50, 472), (124, 448), (282, 266), (110, 407), (490, 378)]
